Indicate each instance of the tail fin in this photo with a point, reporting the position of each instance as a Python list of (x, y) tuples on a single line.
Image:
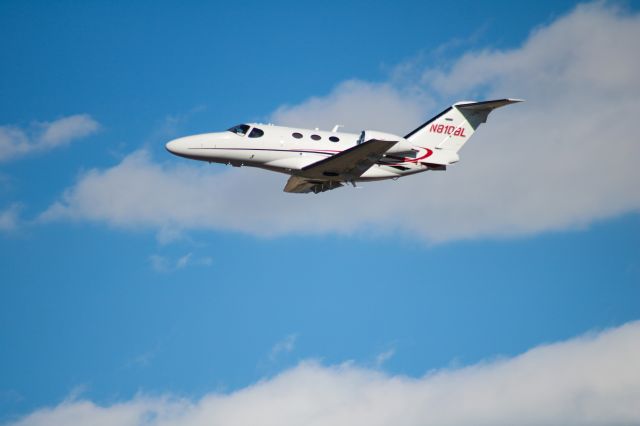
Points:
[(450, 129)]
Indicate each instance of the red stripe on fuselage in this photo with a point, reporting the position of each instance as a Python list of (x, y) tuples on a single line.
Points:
[(413, 160)]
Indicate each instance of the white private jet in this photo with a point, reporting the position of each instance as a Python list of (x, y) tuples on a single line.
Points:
[(319, 161)]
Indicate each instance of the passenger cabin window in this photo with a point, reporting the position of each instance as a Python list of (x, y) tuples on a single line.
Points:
[(297, 135), (240, 129), (334, 139), (315, 137), (256, 133)]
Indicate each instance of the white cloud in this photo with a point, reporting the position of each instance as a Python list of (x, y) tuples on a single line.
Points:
[(594, 380), (140, 193), (285, 345), (42, 136), (13, 142), (358, 105), (10, 218), (564, 159), (65, 130)]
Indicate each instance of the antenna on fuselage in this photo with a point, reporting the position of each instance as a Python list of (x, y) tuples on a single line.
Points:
[(336, 127)]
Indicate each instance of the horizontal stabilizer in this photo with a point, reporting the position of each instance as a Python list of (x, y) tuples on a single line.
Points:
[(486, 105)]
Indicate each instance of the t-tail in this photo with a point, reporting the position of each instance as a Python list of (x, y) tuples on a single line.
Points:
[(450, 130)]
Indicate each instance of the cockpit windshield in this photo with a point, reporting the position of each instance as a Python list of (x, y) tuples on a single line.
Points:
[(240, 129)]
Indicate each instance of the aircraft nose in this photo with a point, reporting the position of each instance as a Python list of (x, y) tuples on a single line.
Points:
[(174, 146)]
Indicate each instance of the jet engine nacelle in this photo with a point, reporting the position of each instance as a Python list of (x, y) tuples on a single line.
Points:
[(402, 147)]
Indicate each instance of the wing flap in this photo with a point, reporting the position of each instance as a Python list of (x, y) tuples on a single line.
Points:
[(300, 185)]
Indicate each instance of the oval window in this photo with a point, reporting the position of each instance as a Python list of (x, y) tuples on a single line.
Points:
[(256, 133), (315, 137), (334, 139), (297, 135)]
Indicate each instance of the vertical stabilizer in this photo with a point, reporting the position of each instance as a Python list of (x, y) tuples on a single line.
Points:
[(451, 129)]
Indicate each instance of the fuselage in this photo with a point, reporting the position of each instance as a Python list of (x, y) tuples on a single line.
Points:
[(288, 150)]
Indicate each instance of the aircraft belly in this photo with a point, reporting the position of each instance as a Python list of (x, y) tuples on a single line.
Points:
[(294, 162), (378, 172), (273, 158), (223, 154)]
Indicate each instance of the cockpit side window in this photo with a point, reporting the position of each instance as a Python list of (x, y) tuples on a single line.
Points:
[(240, 129), (256, 133)]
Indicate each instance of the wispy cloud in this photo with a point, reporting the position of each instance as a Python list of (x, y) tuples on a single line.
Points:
[(593, 379), (166, 264), (172, 123), (285, 345), (383, 357), (142, 360), (10, 218), (43, 136), (562, 160), (10, 396)]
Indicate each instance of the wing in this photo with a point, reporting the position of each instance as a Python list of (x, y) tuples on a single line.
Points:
[(348, 164), (329, 173)]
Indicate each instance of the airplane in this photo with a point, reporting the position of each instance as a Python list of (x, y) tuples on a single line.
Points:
[(319, 161)]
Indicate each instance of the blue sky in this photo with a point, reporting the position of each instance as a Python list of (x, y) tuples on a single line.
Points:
[(109, 292)]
